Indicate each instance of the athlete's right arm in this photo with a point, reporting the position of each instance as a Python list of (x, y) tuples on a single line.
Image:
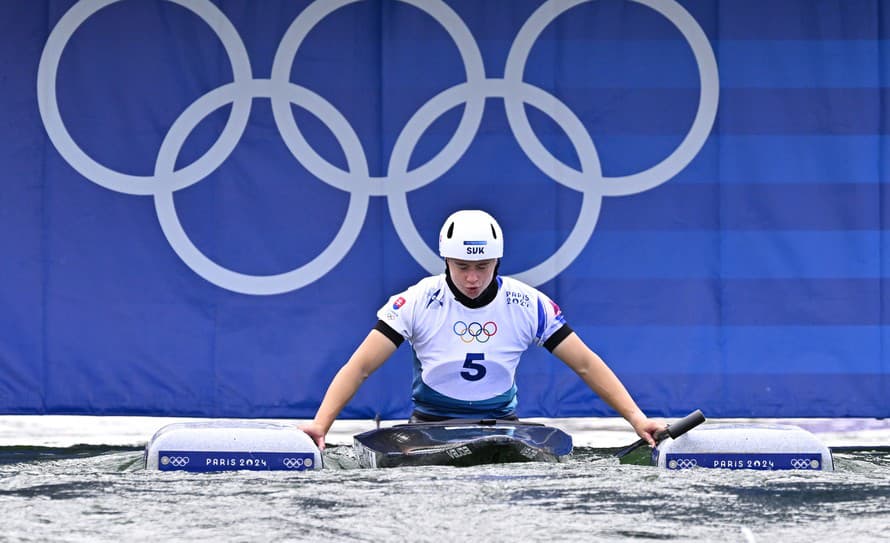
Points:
[(370, 355)]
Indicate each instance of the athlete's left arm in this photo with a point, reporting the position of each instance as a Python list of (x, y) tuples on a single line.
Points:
[(602, 380)]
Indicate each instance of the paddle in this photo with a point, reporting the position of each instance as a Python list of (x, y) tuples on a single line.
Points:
[(674, 431)]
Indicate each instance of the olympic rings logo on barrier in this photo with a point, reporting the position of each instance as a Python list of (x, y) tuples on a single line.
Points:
[(175, 461), (804, 463), (475, 331), (356, 180), (683, 463), (297, 463)]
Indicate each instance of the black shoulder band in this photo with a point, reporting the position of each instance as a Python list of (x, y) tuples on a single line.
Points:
[(556, 338), (387, 331)]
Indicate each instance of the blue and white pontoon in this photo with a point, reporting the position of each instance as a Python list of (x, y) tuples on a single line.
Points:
[(231, 445), (745, 446)]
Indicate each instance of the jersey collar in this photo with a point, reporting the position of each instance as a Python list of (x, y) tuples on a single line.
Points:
[(483, 299)]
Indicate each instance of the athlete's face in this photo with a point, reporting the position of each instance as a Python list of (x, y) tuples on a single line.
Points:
[(471, 276)]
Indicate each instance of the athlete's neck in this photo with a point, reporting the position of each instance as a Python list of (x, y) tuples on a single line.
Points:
[(485, 297)]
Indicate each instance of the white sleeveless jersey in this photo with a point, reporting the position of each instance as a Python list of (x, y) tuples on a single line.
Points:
[(465, 358)]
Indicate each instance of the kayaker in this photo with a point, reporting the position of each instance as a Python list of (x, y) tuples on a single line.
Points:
[(468, 328)]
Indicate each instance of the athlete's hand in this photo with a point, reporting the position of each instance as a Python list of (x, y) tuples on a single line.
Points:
[(316, 432), (646, 428)]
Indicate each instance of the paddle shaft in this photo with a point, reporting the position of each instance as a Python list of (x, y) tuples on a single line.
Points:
[(685, 424)]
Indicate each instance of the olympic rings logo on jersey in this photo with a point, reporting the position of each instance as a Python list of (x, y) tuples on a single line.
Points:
[(468, 333), (470, 96)]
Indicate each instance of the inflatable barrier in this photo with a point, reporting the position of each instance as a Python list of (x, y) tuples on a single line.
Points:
[(231, 445), (744, 446), (228, 445)]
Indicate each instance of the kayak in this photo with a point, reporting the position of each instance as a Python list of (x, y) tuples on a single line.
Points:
[(461, 442)]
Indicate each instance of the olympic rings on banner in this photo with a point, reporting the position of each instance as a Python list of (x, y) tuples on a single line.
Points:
[(475, 331), (356, 179)]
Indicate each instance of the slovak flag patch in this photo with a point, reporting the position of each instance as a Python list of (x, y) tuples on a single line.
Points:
[(400, 301)]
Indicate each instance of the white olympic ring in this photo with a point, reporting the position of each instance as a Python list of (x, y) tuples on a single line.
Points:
[(357, 181)]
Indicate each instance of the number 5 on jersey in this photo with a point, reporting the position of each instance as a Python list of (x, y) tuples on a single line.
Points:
[(475, 370)]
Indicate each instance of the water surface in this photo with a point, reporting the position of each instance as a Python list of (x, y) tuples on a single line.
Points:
[(100, 493)]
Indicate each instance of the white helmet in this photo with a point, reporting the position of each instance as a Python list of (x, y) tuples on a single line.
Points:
[(471, 235)]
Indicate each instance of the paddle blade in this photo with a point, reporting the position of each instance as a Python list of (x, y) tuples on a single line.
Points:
[(639, 453)]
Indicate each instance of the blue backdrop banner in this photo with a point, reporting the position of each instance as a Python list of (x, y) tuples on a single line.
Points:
[(205, 202)]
